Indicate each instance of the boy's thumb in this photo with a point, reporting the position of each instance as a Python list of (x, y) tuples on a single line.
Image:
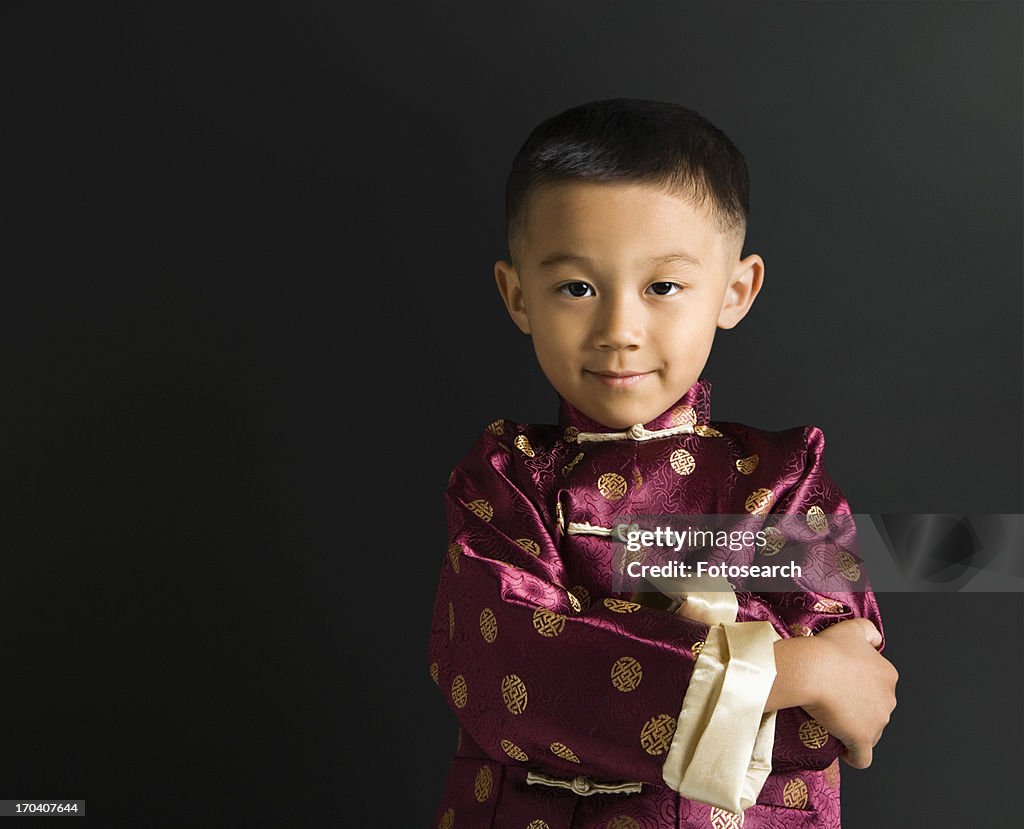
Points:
[(871, 634)]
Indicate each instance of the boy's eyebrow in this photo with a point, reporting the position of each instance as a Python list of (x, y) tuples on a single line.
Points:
[(675, 257)]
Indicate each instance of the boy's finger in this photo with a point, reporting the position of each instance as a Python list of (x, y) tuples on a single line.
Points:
[(859, 757), (871, 633)]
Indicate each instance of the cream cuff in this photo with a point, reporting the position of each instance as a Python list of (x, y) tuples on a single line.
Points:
[(721, 753)]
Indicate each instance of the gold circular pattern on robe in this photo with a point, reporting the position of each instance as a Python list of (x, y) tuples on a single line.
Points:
[(759, 501), (697, 647), (528, 544), (496, 427), (813, 734), (829, 606), (794, 795), (621, 606), (454, 551), (433, 672), (832, 774), (748, 464), (611, 485), (570, 433), (721, 819), (681, 415), (572, 464), (514, 751), (682, 462), (656, 735), (451, 620), (774, 541), (622, 822), (488, 625), (547, 622), (537, 824), (522, 443), (816, 520), (460, 693), (482, 784), (481, 509), (626, 674), (581, 596), (706, 431), (447, 820), (800, 630), (847, 565), (563, 751), (513, 691)]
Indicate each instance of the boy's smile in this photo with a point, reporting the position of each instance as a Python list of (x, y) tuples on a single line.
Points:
[(621, 286)]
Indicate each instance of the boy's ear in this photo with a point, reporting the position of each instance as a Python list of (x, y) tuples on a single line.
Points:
[(744, 285), (512, 293)]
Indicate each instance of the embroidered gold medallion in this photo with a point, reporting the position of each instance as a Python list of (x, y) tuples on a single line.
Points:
[(582, 597), (626, 674), (816, 520), (621, 606), (548, 623), (482, 784), (563, 751), (813, 734), (682, 462), (481, 509), (514, 751), (847, 565), (748, 464), (488, 625), (656, 735), (460, 693), (513, 692), (759, 501), (522, 443), (528, 544), (774, 541), (794, 795), (611, 485)]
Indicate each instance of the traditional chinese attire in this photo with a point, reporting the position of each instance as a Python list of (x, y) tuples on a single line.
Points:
[(582, 708)]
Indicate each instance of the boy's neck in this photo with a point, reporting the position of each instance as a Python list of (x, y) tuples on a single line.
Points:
[(693, 407)]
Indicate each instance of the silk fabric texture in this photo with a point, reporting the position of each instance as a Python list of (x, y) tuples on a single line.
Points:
[(633, 716)]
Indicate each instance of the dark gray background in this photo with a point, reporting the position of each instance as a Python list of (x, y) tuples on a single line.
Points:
[(250, 325)]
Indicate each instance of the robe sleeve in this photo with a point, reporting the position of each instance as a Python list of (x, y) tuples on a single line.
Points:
[(569, 687), (818, 533)]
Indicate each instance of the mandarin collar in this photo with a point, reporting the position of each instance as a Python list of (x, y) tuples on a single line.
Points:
[(693, 407)]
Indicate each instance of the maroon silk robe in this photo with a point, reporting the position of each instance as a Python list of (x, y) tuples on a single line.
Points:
[(549, 674)]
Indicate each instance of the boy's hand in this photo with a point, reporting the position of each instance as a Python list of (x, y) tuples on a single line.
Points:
[(853, 690)]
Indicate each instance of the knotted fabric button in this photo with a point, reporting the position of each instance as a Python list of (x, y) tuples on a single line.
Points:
[(636, 431)]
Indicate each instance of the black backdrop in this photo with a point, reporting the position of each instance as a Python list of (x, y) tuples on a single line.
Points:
[(250, 325)]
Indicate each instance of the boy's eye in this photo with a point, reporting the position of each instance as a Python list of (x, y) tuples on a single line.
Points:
[(575, 289), (663, 288)]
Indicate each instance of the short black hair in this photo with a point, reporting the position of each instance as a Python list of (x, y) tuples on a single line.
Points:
[(632, 140)]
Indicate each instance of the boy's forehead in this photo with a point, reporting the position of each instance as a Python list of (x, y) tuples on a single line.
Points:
[(640, 219)]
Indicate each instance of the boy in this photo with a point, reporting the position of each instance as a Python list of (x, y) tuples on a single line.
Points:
[(582, 707)]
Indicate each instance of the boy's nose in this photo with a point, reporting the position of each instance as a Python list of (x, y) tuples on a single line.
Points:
[(619, 325)]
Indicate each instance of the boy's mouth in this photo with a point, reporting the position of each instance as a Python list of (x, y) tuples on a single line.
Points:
[(618, 379)]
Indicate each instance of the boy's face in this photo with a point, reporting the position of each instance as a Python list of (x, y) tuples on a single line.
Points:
[(621, 287)]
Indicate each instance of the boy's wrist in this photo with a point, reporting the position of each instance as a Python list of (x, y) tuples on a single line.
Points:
[(795, 683)]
